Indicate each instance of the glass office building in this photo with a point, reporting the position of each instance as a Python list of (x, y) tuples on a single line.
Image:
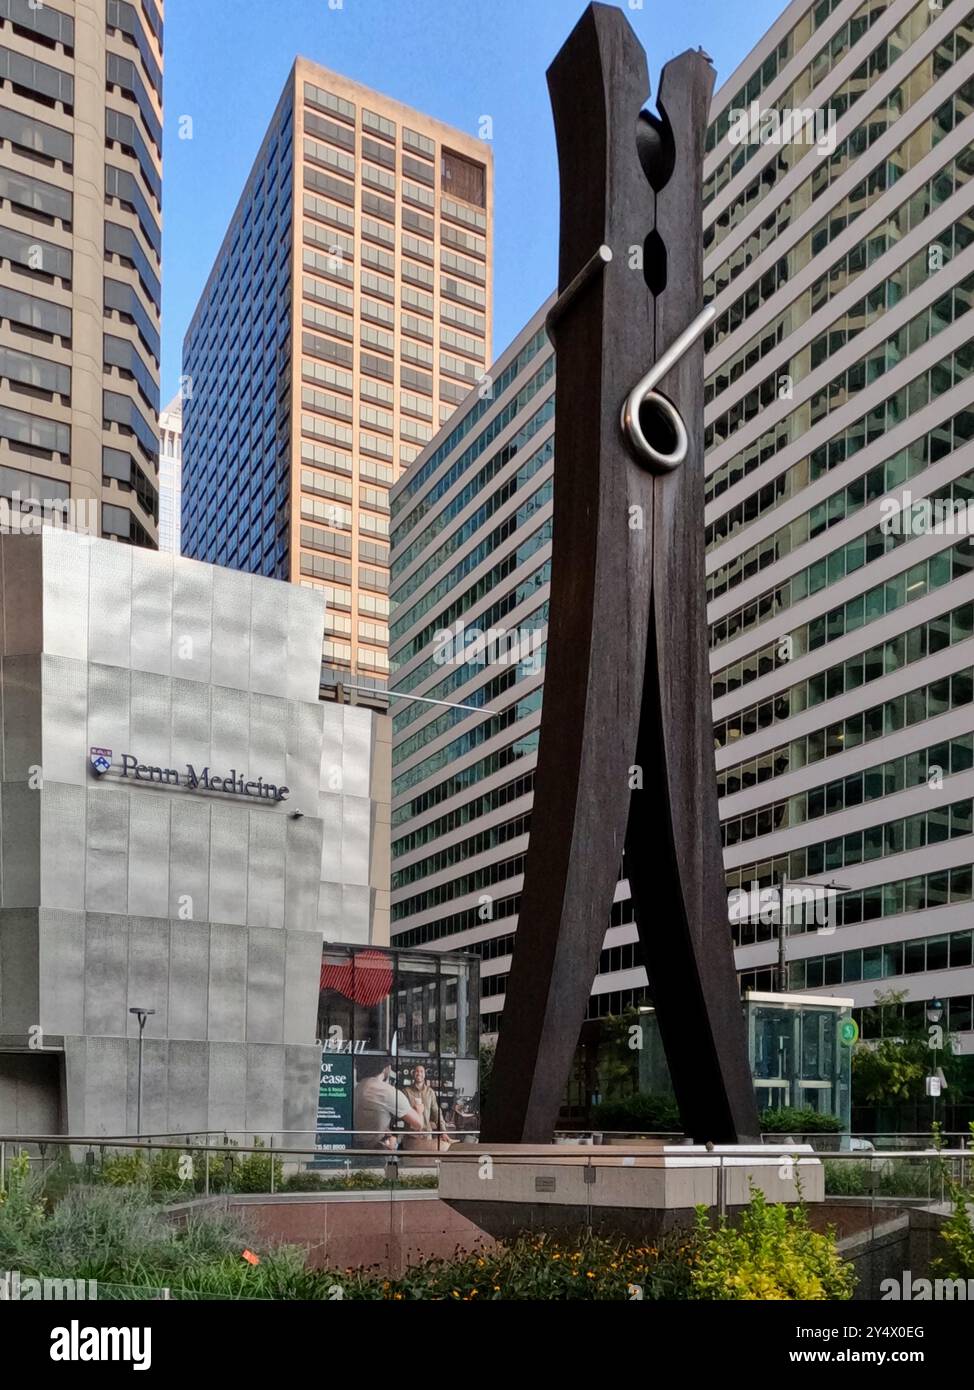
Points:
[(346, 316), (838, 376), (237, 375)]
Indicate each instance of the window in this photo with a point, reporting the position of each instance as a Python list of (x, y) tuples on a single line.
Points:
[(35, 372), (35, 197), (36, 137), (32, 434), (27, 311), (380, 125), (36, 79), (464, 178)]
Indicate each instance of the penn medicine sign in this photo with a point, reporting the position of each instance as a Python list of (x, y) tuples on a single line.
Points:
[(234, 783)]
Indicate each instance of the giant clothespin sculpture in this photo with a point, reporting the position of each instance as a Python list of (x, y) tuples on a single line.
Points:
[(626, 754)]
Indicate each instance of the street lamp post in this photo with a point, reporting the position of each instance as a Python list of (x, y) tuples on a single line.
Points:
[(784, 884), (142, 1014), (935, 1012)]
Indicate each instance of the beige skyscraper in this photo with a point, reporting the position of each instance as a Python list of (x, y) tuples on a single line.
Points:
[(345, 317), (80, 243)]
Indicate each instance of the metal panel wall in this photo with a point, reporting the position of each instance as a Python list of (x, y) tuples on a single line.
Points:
[(206, 906)]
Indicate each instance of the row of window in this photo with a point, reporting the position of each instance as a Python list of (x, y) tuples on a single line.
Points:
[(471, 739), (903, 711), (793, 96), (902, 650), (922, 328), (448, 585), (907, 586), (521, 646), (876, 303), (539, 460), (34, 434), (480, 843), (923, 766), (887, 1020), (481, 805), (882, 419), (861, 846), (832, 164), (36, 374), (921, 893), (496, 426), (429, 469), (863, 550), (787, 47), (916, 957), (902, 467), (948, 179), (902, 280), (37, 258), (444, 720)]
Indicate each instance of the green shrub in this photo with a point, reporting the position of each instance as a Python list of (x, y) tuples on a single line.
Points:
[(125, 1170), (356, 1180), (303, 1182), (891, 1177), (640, 1113), (253, 1173), (789, 1120), (22, 1211), (771, 1252), (957, 1237), (117, 1236)]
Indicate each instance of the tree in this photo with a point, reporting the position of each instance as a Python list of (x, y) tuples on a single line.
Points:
[(893, 1068), (486, 1071), (618, 1059)]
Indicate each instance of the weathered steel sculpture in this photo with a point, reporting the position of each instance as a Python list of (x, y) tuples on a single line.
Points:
[(626, 696)]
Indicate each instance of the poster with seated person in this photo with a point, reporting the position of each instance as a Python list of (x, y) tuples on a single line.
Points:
[(380, 1108)]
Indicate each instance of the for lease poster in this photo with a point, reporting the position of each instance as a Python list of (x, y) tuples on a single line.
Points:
[(335, 1102)]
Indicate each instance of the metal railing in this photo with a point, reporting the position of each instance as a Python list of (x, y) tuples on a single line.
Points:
[(865, 1192)]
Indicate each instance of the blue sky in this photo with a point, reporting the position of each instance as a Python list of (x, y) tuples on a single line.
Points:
[(458, 60)]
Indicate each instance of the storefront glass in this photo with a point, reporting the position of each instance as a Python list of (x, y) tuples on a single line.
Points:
[(399, 1034)]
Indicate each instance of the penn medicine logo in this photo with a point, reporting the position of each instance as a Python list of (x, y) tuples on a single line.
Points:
[(101, 760)]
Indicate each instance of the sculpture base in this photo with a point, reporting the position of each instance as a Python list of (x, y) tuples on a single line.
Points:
[(638, 1189)]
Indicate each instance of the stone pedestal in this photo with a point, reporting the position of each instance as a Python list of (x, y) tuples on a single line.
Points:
[(641, 1189)]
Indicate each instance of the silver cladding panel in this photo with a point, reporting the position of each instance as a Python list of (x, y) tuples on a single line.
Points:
[(209, 908)]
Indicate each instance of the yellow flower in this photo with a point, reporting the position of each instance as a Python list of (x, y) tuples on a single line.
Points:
[(589, 1275)]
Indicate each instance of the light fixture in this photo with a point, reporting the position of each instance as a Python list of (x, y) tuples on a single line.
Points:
[(935, 1010), (297, 815)]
